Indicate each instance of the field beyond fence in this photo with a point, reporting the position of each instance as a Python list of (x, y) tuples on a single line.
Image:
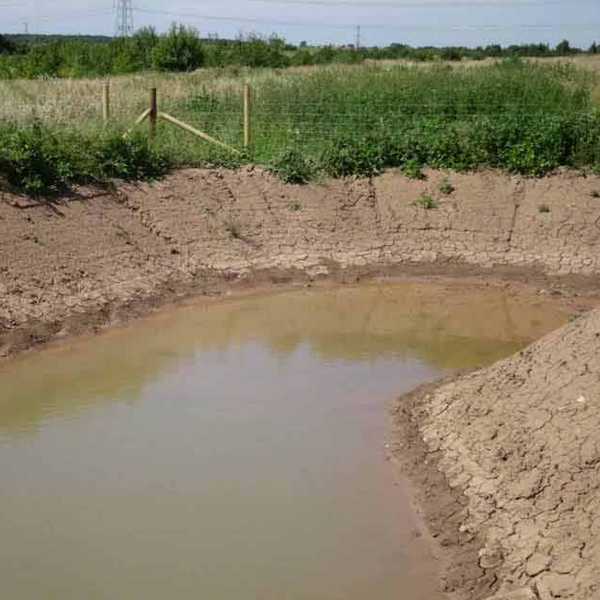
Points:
[(524, 117)]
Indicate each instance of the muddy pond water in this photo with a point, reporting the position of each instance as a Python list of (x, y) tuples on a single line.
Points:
[(234, 449)]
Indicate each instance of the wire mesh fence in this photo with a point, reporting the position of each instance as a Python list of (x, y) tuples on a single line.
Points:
[(496, 108)]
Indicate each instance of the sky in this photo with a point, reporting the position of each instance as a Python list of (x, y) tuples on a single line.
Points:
[(414, 22)]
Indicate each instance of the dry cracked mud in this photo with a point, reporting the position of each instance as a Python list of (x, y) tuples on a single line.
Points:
[(93, 258), (518, 446)]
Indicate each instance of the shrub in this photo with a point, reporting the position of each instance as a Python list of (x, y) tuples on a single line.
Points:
[(292, 166), (36, 161), (348, 158), (130, 158), (6, 46), (180, 50), (39, 161)]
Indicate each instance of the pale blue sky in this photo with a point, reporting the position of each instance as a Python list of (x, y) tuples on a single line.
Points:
[(427, 22)]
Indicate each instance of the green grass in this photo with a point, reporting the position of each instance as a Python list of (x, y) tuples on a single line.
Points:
[(520, 117)]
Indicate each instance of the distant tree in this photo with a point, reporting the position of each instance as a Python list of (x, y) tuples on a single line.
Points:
[(6, 46), (594, 48), (451, 54), (142, 44), (564, 48), (179, 50)]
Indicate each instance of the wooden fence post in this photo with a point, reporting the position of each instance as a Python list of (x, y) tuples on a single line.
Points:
[(106, 102), (153, 116), (247, 117)]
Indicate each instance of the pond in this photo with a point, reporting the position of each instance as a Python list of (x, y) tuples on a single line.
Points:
[(234, 448)]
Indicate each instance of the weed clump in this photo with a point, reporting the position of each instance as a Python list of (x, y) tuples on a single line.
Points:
[(292, 166), (233, 228), (426, 201), (413, 169), (543, 209), (446, 187)]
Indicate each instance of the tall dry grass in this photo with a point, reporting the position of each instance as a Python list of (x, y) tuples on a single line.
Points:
[(77, 103)]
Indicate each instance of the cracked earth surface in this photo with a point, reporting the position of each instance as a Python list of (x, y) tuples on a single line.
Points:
[(97, 252), (518, 442)]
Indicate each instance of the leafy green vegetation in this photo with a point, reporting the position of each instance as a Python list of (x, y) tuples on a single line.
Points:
[(180, 50), (543, 208), (525, 118), (413, 168), (39, 161), (520, 117), (292, 166)]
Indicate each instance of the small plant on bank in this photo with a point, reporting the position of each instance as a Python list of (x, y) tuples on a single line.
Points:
[(595, 194), (426, 201), (294, 206), (413, 169), (446, 187), (543, 208), (291, 166), (233, 229)]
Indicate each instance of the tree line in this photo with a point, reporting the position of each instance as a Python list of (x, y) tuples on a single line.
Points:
[(182, 49)]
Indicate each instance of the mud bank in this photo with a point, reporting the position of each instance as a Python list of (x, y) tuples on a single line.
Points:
[(515, 441), (96, 258), (516, 492)]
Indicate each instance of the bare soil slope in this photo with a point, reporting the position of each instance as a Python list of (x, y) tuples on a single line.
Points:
[(518, 442), (96, 257)]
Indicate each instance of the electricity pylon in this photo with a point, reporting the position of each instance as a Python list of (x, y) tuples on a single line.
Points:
[(124, 21)]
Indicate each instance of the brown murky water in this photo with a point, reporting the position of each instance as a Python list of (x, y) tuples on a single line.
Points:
[(234, 449)]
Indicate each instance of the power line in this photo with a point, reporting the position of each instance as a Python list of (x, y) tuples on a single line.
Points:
[(386, 27), (432, 4), (45, 18), (424, 5)]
